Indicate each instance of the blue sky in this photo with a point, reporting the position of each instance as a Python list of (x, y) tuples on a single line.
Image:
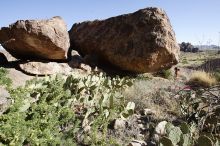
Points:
[(196, 21)]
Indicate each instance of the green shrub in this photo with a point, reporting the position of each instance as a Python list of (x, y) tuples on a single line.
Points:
[(184, 135), (217, 74), (167, 74), (184, 61), (200, 120), (4, 80), (56, 111)]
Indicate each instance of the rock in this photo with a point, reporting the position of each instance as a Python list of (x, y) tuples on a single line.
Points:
[(36, 39), (137, 143), (45, 68), (140, 42), (18, 78), (141, 126), (87, 129), (119, 124), (76, 59), (85, 67), (3, 59), (148, 111), (91, 59), (78, 62), (8, 56), (160, 128), (4, 100), (160, 131)]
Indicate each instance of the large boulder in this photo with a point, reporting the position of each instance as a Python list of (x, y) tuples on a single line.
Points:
[(36, 39), (139, 42)]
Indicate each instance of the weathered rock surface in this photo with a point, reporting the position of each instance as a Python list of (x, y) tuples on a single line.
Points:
[(36, 39), (49, 68), (4, 101), (143, 41), (45, 68), (18, 78)]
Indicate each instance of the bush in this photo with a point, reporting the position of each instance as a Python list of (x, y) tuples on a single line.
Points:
[(4, 80), (200, 120), (165, 73), (153, 94), (202, 78), (184, 61), (217, 74), (59, 111)]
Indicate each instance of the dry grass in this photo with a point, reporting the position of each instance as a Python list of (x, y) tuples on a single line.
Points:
[(152, 94), (202, 78)]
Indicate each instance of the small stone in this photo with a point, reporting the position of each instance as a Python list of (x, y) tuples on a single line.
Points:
[(119, 124), (141, 126), (160, 128), (193, 95), (136, 115), (148, 111), (137, 143), (87, 128), (156, 137), (85, 67)]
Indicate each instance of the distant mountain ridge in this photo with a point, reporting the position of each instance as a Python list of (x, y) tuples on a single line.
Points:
[(202, 47)]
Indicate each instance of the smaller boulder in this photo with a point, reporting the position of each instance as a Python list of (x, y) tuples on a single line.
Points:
[(45, 68), (85, 67), (148, 111), (36, 39), (75, 59), (119, 124)]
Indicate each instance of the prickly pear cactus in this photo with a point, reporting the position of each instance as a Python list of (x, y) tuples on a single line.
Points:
[(205, 141), (169, 126), (185, 128), (165, 141), (185, 140), (175, 135)]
